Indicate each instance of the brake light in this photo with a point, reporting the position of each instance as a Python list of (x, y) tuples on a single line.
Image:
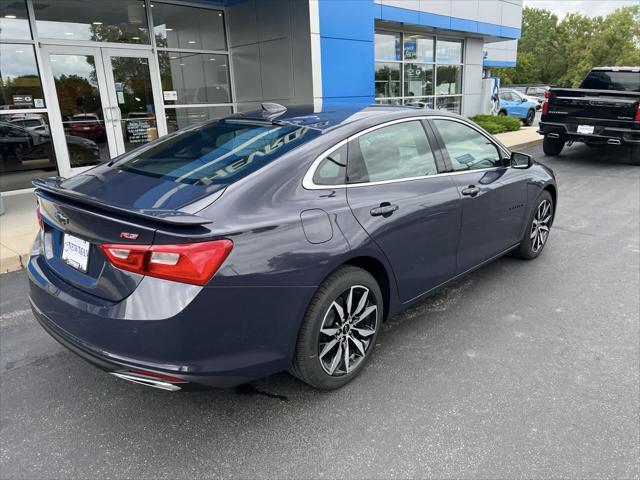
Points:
[(545, 106), (39, 215), (193, 263), (637, 117)]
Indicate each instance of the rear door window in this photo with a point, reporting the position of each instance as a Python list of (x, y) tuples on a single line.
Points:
[(215, 153), (467, 148), (392, 153)]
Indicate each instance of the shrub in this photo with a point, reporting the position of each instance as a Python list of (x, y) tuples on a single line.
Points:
[(497, 124)]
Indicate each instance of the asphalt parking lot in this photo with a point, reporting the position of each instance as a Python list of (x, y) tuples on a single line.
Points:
[(522, 369)]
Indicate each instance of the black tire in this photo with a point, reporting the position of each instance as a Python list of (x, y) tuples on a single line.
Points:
[(308, 366), (502, 113), (531, 116), (529, 248), (78, 157), (552, 146)]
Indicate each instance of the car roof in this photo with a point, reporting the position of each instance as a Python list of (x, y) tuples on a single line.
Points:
[(331, 116)]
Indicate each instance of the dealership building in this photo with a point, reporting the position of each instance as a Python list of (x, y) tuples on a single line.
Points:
[(82, 81)]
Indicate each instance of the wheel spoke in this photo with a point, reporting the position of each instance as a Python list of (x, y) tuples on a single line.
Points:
[(340, 311), (350, 301), (534, 234), (327, 348), (363, 332), (336, 360), (346, 356), (365, 314), (358, 344), (544, 228), (545, 220), (362, 303), (329, 331)]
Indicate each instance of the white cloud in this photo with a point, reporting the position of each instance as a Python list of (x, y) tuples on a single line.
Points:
[(591, 8)]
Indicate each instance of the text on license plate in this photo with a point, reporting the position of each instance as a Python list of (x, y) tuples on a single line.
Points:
[(586, 129), (75, 252)]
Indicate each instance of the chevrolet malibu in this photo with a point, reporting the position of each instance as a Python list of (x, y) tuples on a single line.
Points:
[(277, 240)]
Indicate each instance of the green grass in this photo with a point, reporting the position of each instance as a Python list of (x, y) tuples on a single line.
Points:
[(495, 124)]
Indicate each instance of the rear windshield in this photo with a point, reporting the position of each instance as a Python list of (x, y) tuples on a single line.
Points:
[(220, 152), (610, 80)]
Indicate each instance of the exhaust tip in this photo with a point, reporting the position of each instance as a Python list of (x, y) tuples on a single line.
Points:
[(147, 381), (614, 141), (553, 135)]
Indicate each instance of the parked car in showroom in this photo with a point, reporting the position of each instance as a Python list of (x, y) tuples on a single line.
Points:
[(87, 125), (21, 149), (603, 111), (276, 240), (33, 122), (514, 104)]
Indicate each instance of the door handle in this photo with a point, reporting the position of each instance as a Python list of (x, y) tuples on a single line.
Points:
[(471, 191), (384, 210)]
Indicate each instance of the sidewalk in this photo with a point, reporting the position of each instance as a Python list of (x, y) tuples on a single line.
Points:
[(18, 225), (523, 138)]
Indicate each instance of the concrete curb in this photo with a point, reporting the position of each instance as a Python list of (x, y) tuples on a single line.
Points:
[(525, 145)]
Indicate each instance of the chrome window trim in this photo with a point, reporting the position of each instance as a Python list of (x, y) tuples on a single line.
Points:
[(307, 180)]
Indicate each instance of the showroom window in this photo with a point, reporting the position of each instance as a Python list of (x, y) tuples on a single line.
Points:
[(419, 70), (194, 64), (27, 151)]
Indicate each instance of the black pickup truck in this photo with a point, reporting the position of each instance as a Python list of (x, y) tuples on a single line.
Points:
[(605, 110)]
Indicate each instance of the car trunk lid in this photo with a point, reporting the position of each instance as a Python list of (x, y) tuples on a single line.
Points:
[(78, 219)]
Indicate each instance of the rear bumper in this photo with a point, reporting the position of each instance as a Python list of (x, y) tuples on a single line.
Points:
[(601, 134), (220, 338)]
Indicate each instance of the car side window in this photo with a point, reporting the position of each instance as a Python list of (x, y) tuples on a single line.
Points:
[(468, 149), (505, 96), (392, 153), (332, 170)]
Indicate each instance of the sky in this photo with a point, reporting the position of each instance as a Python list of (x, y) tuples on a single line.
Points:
[(591, 8)]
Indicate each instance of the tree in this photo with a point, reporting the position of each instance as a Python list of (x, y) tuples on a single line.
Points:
[(561, 53)]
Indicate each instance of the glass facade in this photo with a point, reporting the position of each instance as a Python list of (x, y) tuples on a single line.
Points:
[(418, 70), (117, 73), (116, 21)]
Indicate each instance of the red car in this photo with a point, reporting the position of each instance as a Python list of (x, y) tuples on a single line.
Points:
[(87, 125)]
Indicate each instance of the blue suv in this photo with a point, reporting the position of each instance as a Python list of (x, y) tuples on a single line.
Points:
[(512, 103)]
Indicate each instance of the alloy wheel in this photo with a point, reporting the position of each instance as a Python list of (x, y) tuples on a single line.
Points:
[(347, 331), (540, 226)]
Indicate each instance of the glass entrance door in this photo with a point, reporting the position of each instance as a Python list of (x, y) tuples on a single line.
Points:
[(105, 103)]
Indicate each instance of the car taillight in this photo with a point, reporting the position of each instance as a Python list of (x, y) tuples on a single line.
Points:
[(193, 263), (40, 220), (545, 107), (637, 117)]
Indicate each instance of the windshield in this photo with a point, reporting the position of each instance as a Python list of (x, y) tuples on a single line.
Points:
[(610, 80), (220, 152)]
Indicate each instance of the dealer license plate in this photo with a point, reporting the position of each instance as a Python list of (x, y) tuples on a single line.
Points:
[(75, 252), (586, 129)]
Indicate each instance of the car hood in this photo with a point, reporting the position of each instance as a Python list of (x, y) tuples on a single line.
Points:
[(110, 185)]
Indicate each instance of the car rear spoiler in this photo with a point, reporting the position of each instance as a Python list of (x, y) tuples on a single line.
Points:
[(171, 217)]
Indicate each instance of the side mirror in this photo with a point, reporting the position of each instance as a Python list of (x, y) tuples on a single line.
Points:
[(523, 100), (521, 160)]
